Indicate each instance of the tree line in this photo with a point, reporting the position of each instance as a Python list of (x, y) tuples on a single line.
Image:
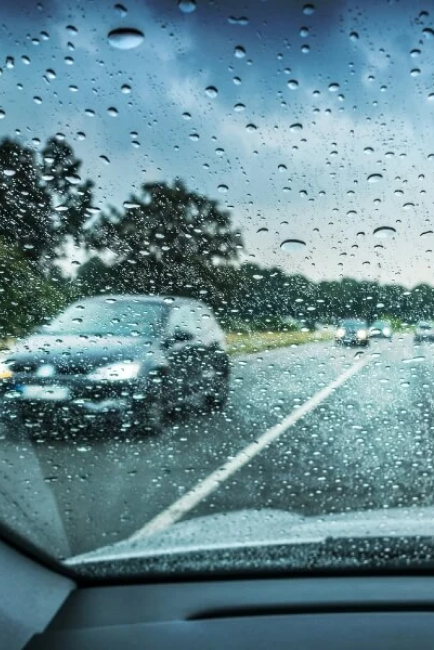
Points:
[(166, 239)]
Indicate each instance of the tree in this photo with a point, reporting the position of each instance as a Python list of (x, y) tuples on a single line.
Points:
[(169, 240), (25, 203)]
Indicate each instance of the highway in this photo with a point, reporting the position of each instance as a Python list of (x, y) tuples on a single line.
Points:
[(314, 429)]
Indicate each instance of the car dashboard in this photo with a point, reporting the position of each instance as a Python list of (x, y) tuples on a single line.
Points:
[(41, 609)]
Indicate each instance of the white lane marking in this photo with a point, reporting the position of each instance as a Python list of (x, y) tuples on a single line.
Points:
[(209, 484)]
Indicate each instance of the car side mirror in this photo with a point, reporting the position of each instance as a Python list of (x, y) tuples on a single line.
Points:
[(178, 336)]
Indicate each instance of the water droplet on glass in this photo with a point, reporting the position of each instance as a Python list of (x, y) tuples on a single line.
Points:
[(89, 112), (304, 32), (112, 111), (73, 89), (9, 172), (375, 178), (354, 36), (415, 53), (240, 52), (10, 62), (223, 188), (121, 10), (428, 32), (105, 159), (25, 59), (219, 151), (194, 137), (69, 60), (292, 84), (187, 6), (415, 72), (282, 168), (211, 91), (383, 232), (295, 128), (81, 135), (71, 29), (2, 114), (262, 230), (238, 108), (290, 245), (308, 9), (37, 99), (50, 74), (125, 38), (251, 127), (126, 89), (333, 87)]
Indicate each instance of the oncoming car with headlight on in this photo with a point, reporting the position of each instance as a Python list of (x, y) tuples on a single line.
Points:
[(352, 332), (381, 329), (131, 358)]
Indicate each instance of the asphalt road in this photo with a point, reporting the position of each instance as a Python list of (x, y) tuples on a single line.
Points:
[(368, 443)]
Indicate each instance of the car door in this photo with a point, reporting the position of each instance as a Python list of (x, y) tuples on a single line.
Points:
[(184, 352)]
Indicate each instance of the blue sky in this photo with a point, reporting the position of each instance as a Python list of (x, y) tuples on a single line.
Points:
[(336, 95)]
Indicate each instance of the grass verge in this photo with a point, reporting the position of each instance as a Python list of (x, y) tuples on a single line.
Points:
[(243, 343)]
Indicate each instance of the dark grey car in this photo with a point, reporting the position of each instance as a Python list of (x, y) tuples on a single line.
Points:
[(352, 332), (136, 357)]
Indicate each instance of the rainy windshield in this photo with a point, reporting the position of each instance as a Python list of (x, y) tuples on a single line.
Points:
[(216, 275), (124, 318)]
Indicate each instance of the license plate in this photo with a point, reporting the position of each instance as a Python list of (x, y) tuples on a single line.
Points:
[(47, 393)]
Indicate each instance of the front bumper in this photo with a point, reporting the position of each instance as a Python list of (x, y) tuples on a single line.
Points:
[(69, 397), (351, 340)]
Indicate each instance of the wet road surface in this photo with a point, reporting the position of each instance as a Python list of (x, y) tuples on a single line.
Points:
[(368, 443)]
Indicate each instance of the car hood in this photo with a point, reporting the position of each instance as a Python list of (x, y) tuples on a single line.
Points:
[(266, 527), (76, 352)]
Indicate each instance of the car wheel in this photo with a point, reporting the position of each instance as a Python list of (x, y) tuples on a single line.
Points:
[(216, 400)]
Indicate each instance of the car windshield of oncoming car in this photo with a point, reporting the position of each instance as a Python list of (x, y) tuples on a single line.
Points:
[(109, 318), (206, 209)]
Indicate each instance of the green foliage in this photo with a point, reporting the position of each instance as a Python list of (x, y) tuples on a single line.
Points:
[(27, 297)]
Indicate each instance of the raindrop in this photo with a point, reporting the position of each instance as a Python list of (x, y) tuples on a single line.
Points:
[(121, 10), (126, 89), (186, 116), (112, 111), (308, 10), (426, 232), (223, 188), (304, 32), (240, 52), (81, 135), (72, 30), (194, 137), (282, 168), (105, 160), (211, 92), (237, 81), (333, 87), (73, 89), (415, 72), (9, 172), (69, 60), (375, 178), (125, 38), (74, 179), (10, 62), (89, 112), (243, 21), (383, 232), (187, 6), (37, 99), (25, 59), (129, 205), (431, 97), (50, 74), (238, 108), (408, 206), (354, 36), (295, 128), (2, 114), (290, 245), (251, 127), (292, 84), (262, 230), (414, 53), (428, 32), (219, 151)]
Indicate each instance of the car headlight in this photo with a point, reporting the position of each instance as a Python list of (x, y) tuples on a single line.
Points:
[(5, 371), (116, 372), (387, 331), (362, 334), (340, 332)]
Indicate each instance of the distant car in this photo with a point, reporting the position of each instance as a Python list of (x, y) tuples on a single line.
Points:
[(352, 332), (424, 331), (381, 329), (132, 357)]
